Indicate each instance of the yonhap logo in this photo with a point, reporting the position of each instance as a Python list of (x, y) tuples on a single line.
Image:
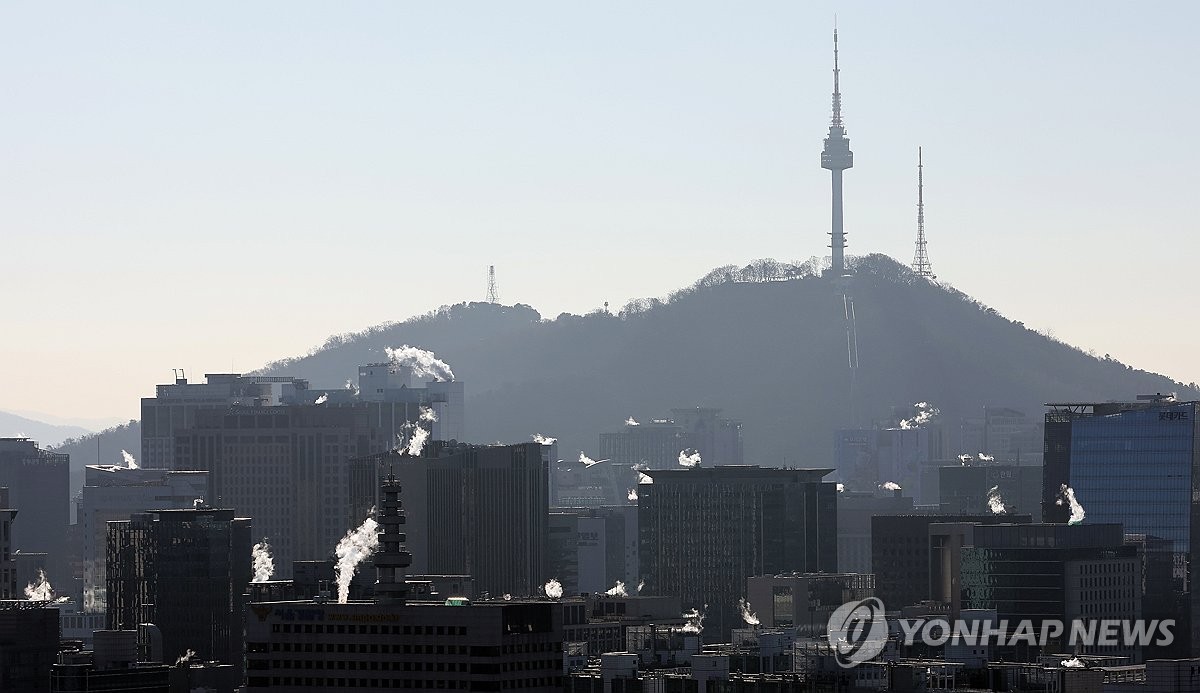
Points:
[(857, 631)]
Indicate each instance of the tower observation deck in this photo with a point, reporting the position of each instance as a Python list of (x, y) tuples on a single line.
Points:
[(837, 157)]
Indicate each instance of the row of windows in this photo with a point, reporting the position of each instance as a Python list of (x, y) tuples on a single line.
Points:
[(368, 630), (264, 682)]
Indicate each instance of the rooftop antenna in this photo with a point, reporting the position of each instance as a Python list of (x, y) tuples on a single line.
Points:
[(492, 295), (921, 266)]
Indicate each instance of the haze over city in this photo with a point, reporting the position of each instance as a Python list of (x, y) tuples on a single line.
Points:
[(214, 188)]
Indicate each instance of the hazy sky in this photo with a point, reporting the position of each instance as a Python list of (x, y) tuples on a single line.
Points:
[(215, 185)]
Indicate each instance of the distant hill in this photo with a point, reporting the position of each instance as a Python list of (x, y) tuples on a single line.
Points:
[(767, 343), (45, 433)]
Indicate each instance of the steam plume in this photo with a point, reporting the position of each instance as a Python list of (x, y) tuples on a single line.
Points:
[(841, 488), (351, 387), (925, 414), (631, 422), (984, 457), (185, 657), (695, 621), (1073, 663), (890, 486), (544, 440), (748, 616), (1067, 494), (587, 461), (553, 589), (322, 399), (197, 503), (618, 590), (641, 584), (264, 565), (964, 458), (995, 502), (423, 363), (357, 545), (40, 590), (130, 461), (689, 457), (632, 496), (420, 434)]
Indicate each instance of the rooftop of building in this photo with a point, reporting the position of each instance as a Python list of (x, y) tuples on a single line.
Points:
[(734, 472)]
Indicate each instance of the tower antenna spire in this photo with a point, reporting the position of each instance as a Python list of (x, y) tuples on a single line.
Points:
[(493, 295), (837, 89), (921, 266)]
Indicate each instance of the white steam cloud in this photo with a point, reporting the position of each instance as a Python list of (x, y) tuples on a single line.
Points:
[(264, 565), (1073, 663), (587, 461), (553, 589), (689, 458), (890, 486), (351, 387), (544, 440), (964, 458), (1067, 494), (995, 502), (40, 589), (984, 457), (130, 460), (641, 584), (695, 621), (631, 422), (632, 495), (420, 433), (357, 545), (423, 363), (748, 616), (185, 657), (322, 399), (925, 414), (618, 590), (197, 503), (841, 488)]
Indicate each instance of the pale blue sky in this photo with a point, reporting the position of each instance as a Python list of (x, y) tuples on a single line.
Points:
[(195, 185)]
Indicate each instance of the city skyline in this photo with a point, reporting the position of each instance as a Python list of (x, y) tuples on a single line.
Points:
[(162, 165)]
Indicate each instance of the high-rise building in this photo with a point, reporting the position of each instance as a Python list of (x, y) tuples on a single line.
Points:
[(855, 511), (395, 642), (112, 492), (185, 571), (804, 601), (1136, 464), (591, 549), (28, 645), (8, 567), (870, 459), (1054, 571), (38, 484), (385, 391), (704, 530), (478, 510), (981, 487), (900, 553), (1005, 434), (657, 443), (174, 408)]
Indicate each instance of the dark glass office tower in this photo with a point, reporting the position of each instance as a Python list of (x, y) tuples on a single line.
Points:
[(1135, 463)]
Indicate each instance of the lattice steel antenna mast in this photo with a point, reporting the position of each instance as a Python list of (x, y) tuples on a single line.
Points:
[(492, 295), (921, 266)]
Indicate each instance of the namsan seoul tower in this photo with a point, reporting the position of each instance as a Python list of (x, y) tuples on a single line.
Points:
[(837, 157)]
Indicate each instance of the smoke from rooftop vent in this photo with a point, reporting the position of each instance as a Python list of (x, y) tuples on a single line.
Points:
[(423, 363), (354, 548), (264, 564)]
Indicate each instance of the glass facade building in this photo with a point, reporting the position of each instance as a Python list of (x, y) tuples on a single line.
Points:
[(1133, 463)]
